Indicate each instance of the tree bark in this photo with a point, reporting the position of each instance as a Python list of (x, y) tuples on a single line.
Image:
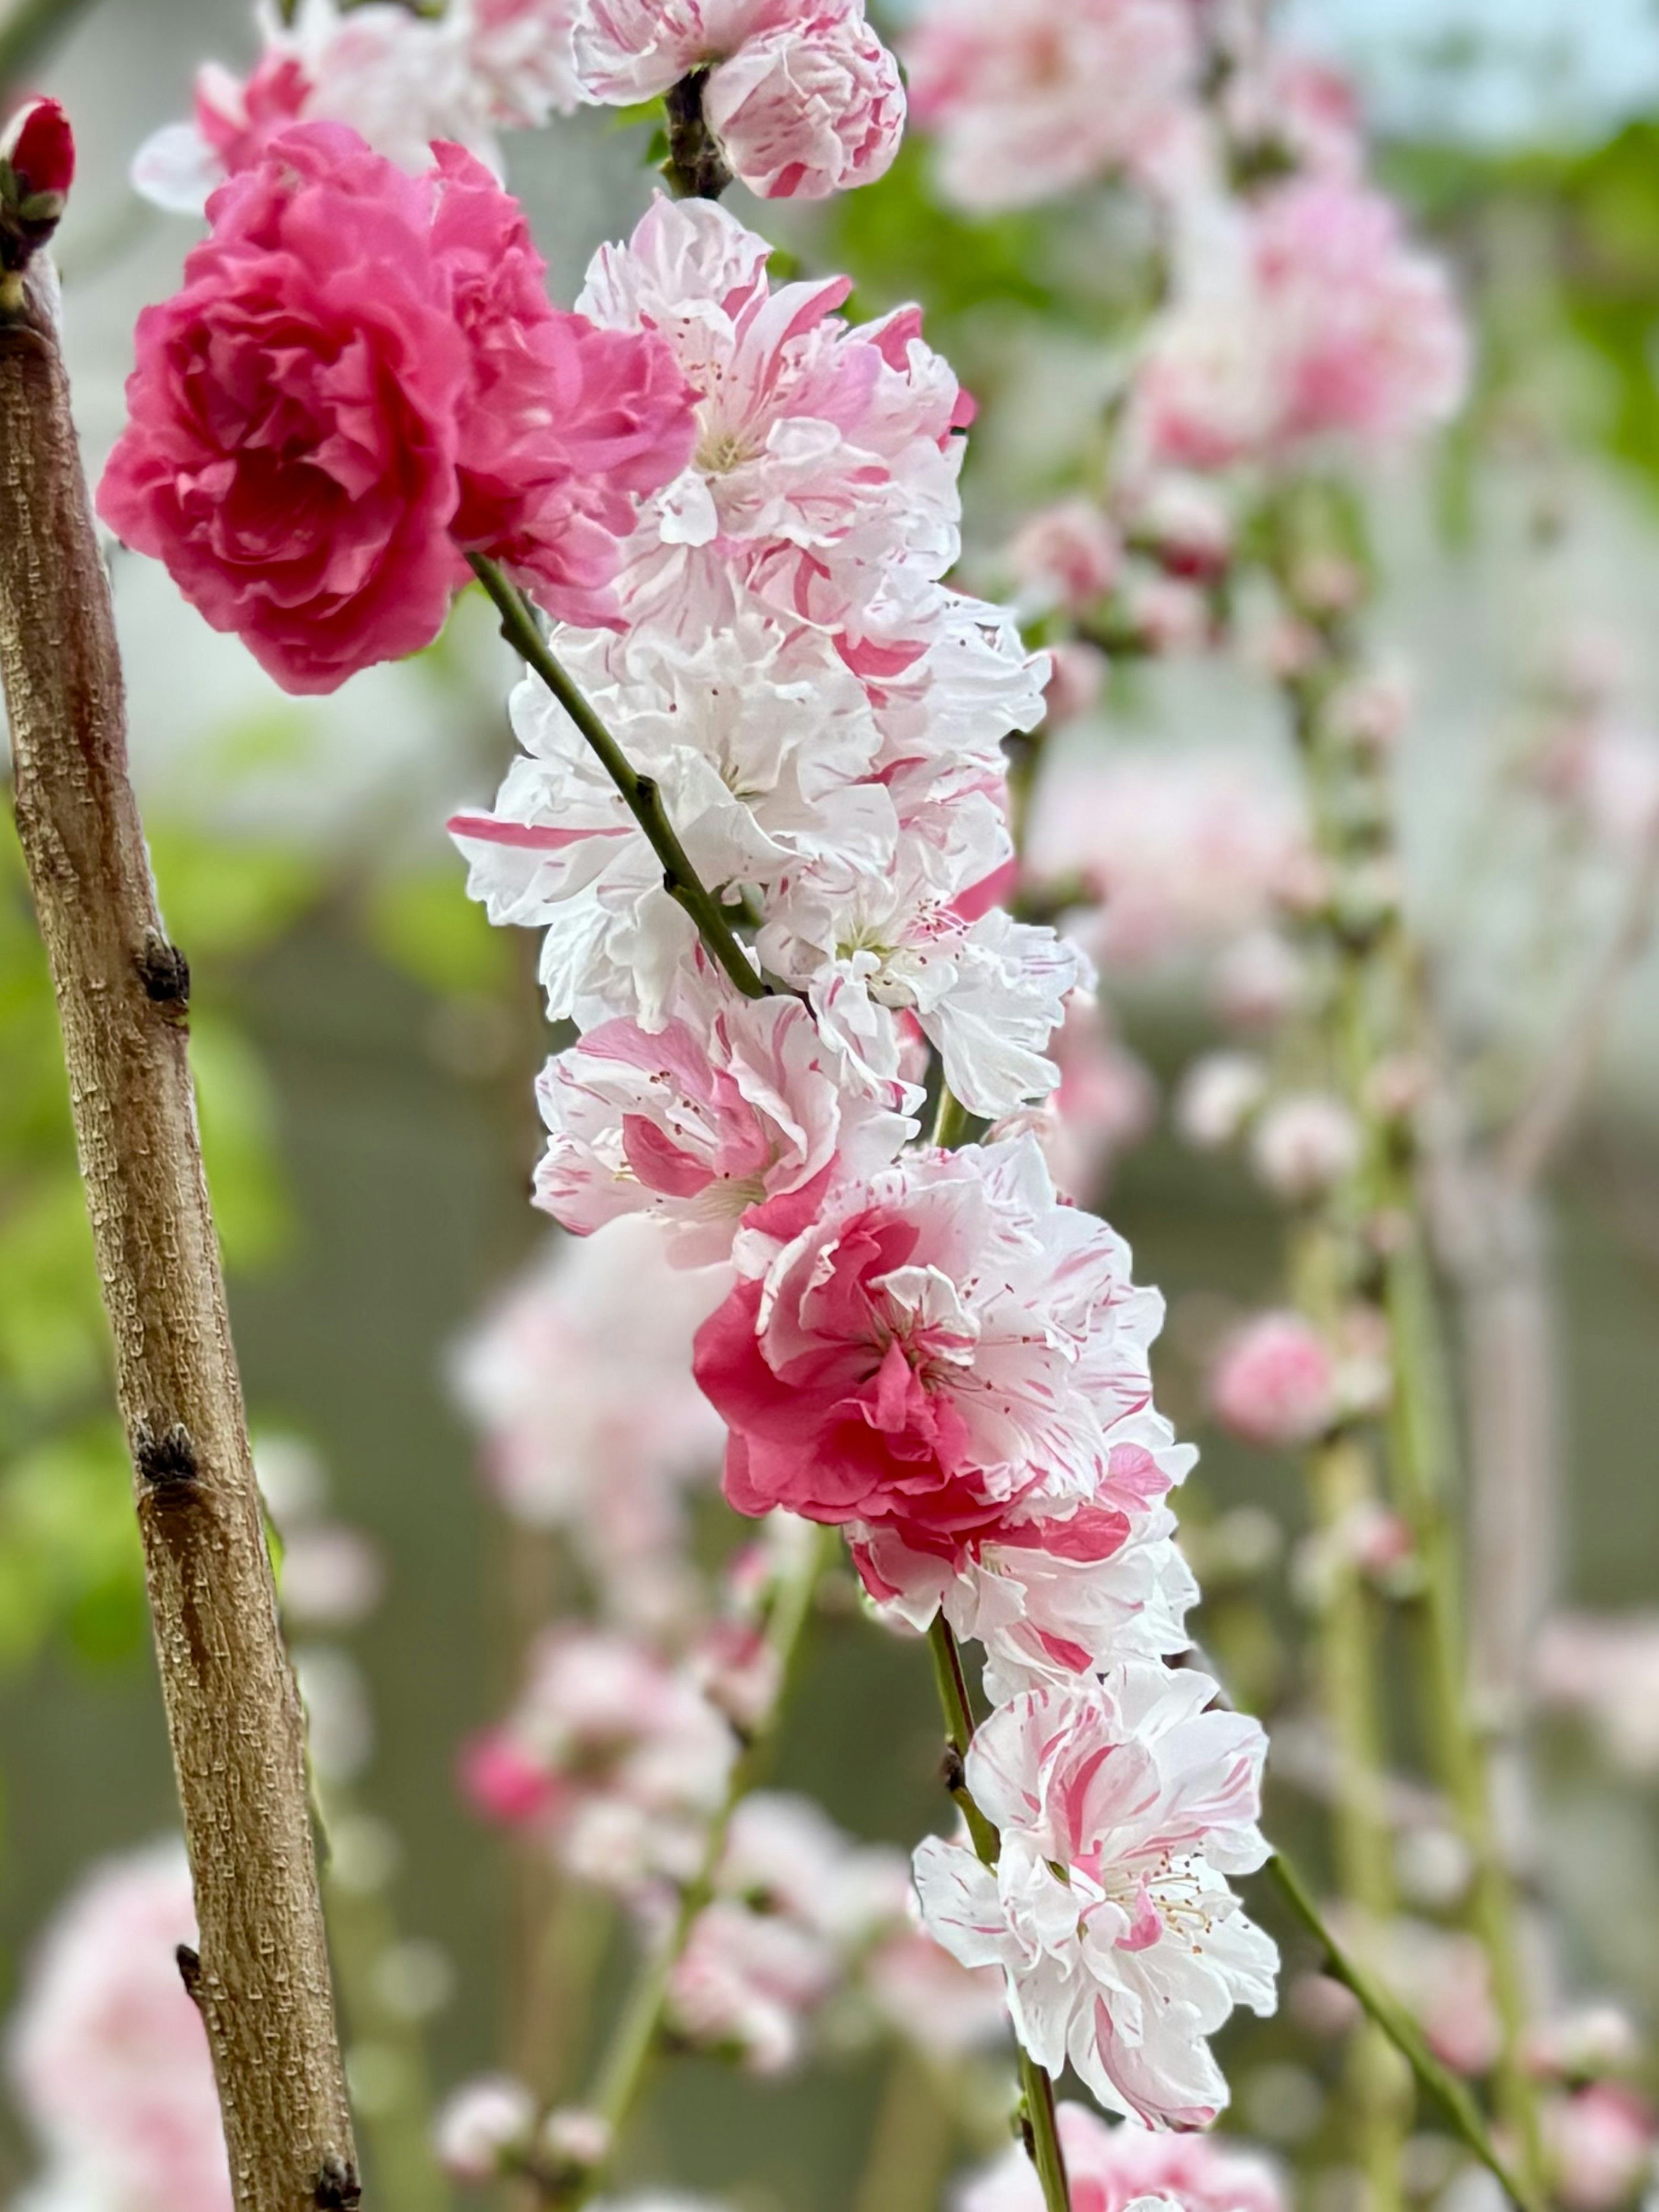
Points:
[(263, 1982)]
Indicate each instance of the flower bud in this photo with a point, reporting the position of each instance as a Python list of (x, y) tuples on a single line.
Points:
[(37, 167)]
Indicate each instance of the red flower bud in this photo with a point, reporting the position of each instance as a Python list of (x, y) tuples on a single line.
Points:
[(40, 147)]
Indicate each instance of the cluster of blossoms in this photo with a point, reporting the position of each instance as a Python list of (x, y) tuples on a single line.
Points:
[(801, 97), (740, 511)]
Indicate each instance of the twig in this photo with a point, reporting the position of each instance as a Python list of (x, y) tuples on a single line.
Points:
[(1403, 2031), (696, 166), (123, 993), (626, 2066), (1547, 1117), (639, 794), (1036, 2088)]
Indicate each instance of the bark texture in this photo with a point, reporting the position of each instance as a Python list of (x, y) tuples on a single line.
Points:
[(232, 1715)]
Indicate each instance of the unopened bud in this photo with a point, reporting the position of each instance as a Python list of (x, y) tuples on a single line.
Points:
[(37, 167)]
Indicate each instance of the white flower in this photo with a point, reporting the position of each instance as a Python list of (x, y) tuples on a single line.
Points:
[(1122, 1809)]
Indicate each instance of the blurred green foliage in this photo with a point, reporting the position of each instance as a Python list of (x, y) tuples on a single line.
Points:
[(69, 1560)]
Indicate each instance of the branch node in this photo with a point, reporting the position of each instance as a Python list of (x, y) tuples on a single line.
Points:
[(339, 2186), (164, 974), (189, 1960), (165, 1460)]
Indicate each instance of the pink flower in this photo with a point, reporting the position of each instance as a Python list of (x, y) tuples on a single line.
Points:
[(731, 1116), (1187, 850), (1067, 555), (106, 2053), (1108, 2168), (803, 97), (1055, 1596), (941, 1351), (1122, 1806), (1106, 1101), (361, 375), (1600, 2141), (1031, 98), (566, 426), (291, 453), (1303, 315), (944, 2009), (1276, 1383)]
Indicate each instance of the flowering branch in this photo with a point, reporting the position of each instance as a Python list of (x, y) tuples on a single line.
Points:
[(123, 995), (1403, 2031), (1370, 1016), (641, 794), (1037, 2086), (626, 2066)]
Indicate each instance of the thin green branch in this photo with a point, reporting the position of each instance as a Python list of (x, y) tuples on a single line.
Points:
[(639, 794), (637, 2039), (1037, 2088), (1448, 2092)]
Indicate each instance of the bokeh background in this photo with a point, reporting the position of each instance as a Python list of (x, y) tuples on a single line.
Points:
[(364, 1042)]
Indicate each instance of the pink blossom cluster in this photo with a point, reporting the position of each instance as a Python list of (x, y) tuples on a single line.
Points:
[(1302, 316), (801, 95), (1032, 98), (107, 2055), (611, 1757), (579, 1384), (361, 380), (401, 76), (927, 1348)]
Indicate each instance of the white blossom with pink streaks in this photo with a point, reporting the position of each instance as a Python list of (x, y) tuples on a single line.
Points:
[(1112, 2168), (1125, 1961), (724, 1124), (1029, 98), (803, 96), (825, 460), (987, 993)]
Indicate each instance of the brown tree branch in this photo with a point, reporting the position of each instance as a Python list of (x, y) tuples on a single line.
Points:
[(263, 1982)]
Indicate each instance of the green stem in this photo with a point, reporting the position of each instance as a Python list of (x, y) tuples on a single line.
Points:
[(1376, 990), (1422, 1450), (1395, 2022), (626, 2067), (639, 794), (953, 1124), (1037, 2088)]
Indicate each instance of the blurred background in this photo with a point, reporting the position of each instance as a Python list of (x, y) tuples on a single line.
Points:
[(364, 1042)]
